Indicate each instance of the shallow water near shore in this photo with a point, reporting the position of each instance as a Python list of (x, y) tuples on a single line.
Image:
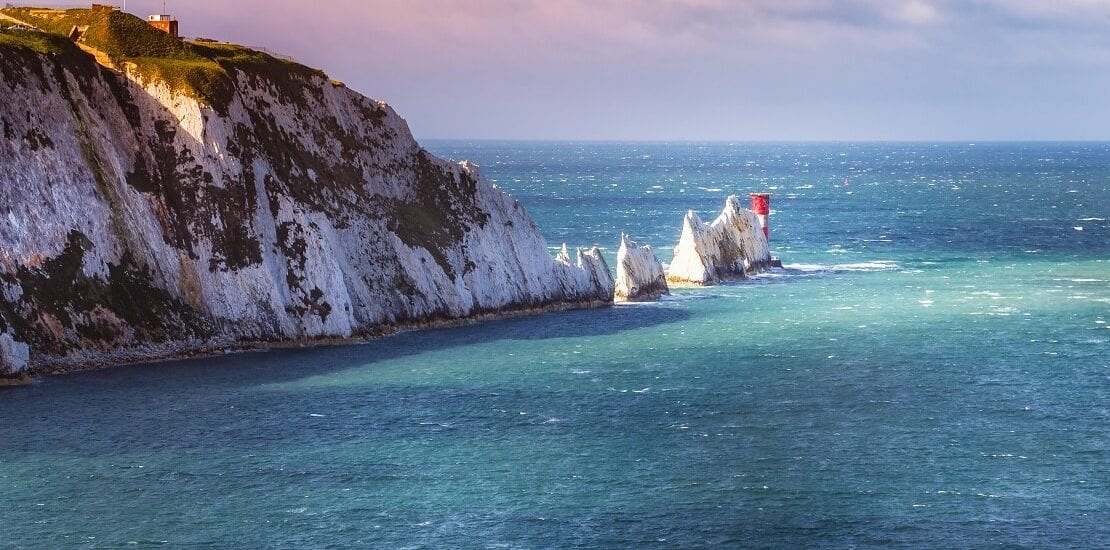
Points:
[(930, 368)]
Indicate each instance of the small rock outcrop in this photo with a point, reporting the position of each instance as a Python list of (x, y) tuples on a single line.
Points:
[(14, 356), (588, 271), (732, 247), (640, 275)]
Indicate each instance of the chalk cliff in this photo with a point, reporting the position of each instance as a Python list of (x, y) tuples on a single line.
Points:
[(640, 275), (142, 216), (13, 356), (732, 246)]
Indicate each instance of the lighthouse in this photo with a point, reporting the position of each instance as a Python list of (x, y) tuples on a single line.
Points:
[(761, 205)]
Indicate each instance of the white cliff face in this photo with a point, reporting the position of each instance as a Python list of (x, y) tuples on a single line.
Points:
[(13, 356), (731, 247), (640, 275), (135, 217), (589, 270)]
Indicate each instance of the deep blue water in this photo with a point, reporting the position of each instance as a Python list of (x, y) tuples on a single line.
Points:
[(932, 369)]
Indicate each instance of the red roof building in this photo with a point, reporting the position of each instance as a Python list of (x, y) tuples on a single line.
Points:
[(164, 23)]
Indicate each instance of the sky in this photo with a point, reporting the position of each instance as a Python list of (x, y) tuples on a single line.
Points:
[(744, 70)]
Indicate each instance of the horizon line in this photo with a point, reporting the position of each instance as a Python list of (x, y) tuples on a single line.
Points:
[(769, 141)]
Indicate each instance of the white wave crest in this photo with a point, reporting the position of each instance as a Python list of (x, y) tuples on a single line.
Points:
[(876, 265), (683, 297)]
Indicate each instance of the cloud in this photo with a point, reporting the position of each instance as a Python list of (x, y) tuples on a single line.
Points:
[(914, 12), (697, 69), (1087, 12)]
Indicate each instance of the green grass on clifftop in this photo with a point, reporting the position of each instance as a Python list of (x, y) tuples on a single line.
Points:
[(46, 44), (290, 78), (20, 50), (201, 70)]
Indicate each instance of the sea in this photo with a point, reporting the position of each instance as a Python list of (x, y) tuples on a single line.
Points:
[(930, 368)]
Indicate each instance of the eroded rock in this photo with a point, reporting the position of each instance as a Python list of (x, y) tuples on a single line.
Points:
[(640, 275), (14, 356), (731, 247)]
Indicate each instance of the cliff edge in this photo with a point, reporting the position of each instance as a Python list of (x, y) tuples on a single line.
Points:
[(177, 197)]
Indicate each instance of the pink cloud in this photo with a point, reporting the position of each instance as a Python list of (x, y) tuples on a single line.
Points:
[(685, 68)]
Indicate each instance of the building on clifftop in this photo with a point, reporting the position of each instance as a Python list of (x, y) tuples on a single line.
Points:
[(164, 23)]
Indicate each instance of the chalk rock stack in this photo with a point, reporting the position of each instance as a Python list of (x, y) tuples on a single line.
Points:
[(587, 271), (640, 275), (13, 356), (731, 247)]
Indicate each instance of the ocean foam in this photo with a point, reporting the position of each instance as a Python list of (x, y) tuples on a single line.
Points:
[(683, 297), (876, 265)]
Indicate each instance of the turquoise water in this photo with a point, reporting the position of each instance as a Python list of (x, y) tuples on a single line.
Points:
[(932, 369)]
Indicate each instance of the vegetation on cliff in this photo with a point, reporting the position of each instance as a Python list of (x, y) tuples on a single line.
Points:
[(38, 42), (60, 304), (21, 49), (203, 70)]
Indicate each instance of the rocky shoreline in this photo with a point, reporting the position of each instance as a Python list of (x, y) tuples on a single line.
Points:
[(179, 351)]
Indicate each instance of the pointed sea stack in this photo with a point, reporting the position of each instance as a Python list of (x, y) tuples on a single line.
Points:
[(588, 271), (13, 361), (732, 247), (640, 276)]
